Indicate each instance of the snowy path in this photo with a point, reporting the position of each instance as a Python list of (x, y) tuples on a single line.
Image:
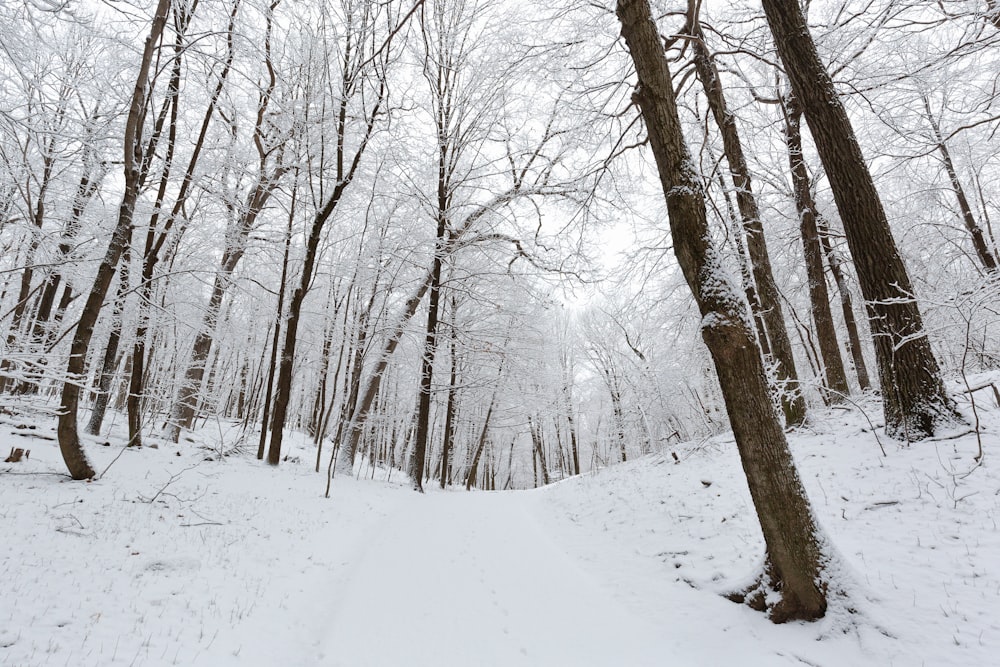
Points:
[(472, 579)]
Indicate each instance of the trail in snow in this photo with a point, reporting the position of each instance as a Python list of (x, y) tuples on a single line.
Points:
[(178, 558), (471, 579)]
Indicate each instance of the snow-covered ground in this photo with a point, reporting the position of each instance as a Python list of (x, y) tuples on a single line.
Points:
[(179, 556)]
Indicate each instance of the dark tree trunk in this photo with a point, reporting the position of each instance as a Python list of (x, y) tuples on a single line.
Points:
[(449, 412), (345, 174), (273, 363), (155, 239), (109, 364), (69, 439), (768, 301), (470, 478), (914, 398), (834, 376), (794, 559)]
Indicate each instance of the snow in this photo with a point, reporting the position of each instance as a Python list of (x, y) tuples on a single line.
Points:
[(178, 556)]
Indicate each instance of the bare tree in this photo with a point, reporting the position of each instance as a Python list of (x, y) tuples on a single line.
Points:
[(794, 557), (914, 398), (767, 303), (69, 439)]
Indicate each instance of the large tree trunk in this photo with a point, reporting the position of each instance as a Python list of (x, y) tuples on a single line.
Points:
[(794, 558), (768, 298), (68, 435), (914, 398), (834, 376)]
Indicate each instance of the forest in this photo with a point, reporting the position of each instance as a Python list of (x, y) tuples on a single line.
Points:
[(330, 263)]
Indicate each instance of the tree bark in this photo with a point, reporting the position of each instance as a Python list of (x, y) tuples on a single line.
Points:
[(68, 435), (914, 398), (794, 559), (449, 412), (834, 376), (768, 303)]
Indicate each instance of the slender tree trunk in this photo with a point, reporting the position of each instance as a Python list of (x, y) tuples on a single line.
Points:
[(272, 365), (433, 304), (473, 473), (449, 412), (68, 436), (746, 274), (794, 558), (536, 441), (768, 302), (914, 398), (107, 374), (846, 303), (834, 376), (986, 257)]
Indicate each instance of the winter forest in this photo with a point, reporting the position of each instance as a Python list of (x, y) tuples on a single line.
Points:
[(379, 332)]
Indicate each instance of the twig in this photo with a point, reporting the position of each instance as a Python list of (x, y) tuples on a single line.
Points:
[(865, 414)]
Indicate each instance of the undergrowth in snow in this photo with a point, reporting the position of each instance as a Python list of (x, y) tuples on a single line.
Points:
[(181, 555)]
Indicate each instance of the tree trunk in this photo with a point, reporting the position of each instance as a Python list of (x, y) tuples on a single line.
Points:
[(449, 412), (539, 447), (794, 559), (914, 398), (470, 478), (272, 364), (846, 304), (986, 257), (110, 362), (69, 439), (768, 302), (834, 376)]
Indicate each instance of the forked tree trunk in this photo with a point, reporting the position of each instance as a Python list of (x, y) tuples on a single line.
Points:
[(913, 395), (768, 297), (68, 435), (794, 558), (834, 376)]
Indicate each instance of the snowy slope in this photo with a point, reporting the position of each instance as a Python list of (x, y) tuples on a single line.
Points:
[(174, 559)]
